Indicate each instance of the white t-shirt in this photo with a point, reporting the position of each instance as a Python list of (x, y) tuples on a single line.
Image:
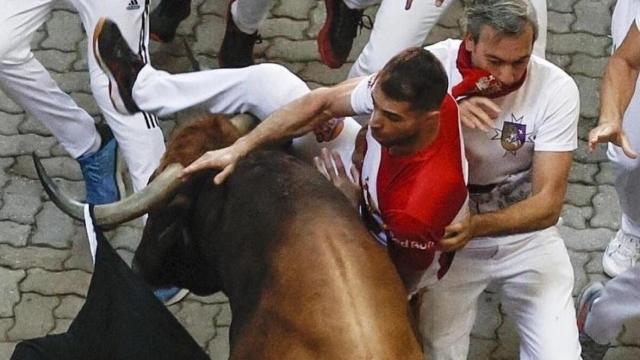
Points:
[(542, 115), (625, 12)]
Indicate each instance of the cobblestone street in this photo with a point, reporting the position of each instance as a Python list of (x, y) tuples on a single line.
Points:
[(45, 266)]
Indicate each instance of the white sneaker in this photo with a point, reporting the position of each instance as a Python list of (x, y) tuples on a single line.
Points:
[(622, 253)]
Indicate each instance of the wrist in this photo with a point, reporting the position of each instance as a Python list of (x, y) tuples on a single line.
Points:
[(610, 120), (243, 146)]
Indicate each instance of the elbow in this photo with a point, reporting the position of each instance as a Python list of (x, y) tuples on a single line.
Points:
[(551, 217)]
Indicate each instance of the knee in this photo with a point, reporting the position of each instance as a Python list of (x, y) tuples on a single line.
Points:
[(278, 85), (273, 77)]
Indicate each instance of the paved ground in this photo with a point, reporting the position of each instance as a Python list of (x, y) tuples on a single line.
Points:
[(44, 263)]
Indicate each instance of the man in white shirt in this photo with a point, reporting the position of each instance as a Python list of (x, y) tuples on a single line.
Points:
[(519, 115)]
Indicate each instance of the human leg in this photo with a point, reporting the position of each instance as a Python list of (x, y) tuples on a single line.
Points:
[(166, 17), (259, 89), (244, 18), (138, 134), (387, 38), (335, 38), (447, 309), (536, 281), (28, 83), (619, 301)]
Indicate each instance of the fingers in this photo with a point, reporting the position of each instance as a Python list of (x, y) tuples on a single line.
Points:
[(455, 236), (626, 147), (222, 176), (328, 164), (439, 3), (201, 163), (320, 166), (493, 110), (355, 175), (337, 160), (479, 112)]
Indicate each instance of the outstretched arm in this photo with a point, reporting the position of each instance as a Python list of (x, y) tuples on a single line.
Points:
[(618, 86), (294, 119), (539, 211)]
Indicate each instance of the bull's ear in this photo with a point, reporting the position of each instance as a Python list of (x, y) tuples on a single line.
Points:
[(150, 260), (164, 229)]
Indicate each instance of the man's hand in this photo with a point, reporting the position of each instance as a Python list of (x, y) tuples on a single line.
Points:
[(331, 166), (457, 235), (329, 129), (225, 159), (478, 112), (611, 132)]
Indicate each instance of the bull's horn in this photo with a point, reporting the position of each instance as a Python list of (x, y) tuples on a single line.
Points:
[(159, 190), (244, 122)]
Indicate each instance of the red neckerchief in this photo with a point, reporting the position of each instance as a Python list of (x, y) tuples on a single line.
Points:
[(478, 82)]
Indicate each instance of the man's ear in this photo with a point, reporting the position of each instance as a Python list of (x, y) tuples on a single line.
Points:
[(469, 44), (432, 115)]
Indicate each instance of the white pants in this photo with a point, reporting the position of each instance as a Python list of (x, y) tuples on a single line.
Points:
[(396, 29), (618, 302), (627, 171), (534, 278), (28, 83), (248, 15), (259, 89)]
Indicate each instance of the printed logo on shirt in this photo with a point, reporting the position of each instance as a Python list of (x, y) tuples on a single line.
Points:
[(133, 5), (513, 135)]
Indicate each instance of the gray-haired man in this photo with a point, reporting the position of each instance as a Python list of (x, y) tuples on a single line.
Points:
[(519, 115)]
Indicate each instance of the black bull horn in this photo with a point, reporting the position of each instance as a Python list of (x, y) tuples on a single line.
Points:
[(159, 191)]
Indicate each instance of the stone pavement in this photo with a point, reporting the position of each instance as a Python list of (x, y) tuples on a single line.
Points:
[(44, 261)]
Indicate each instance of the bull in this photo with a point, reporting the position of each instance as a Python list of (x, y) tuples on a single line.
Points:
[(304, 278)]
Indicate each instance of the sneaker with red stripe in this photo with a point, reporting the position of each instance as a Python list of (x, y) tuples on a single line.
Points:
[(336, 35)]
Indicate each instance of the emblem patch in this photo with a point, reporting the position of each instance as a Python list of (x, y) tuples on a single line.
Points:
[(513, 136)]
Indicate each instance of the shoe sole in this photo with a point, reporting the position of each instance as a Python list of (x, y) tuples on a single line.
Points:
[(114, 93), (324, 45), (585, 296), (177, 297)]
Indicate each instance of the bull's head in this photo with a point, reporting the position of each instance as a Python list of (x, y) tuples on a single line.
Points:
[(167, 254)]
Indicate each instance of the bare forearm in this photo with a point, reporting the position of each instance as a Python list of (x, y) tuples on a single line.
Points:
[(531, 214), (618, 86), (292, 120)]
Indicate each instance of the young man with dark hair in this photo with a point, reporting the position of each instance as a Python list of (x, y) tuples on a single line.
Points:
[(408, 178)]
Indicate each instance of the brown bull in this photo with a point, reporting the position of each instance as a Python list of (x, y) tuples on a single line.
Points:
[(304, 278)]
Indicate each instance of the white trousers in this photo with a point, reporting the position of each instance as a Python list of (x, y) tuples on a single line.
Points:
[(259, 89), (28, 83), (396, 29), (627, 171), (618, 302), (248, 15), (534, 279)]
